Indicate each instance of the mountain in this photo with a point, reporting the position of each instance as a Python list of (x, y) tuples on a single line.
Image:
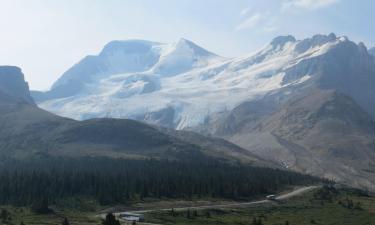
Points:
[(143, 61), (13, 85), (320, 132), (305, 104), (28, 131), (372, 51), (212, 85), (321, 122)]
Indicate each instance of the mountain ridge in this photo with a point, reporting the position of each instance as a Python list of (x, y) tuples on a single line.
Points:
[(258, 102), (284, 62), (29, 131), (129, 56)]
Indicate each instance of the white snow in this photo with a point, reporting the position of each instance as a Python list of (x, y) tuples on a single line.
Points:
[(193, 82)]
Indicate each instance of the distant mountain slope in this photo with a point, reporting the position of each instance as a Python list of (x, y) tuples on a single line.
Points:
[(27, 131), (130, 57), (318, 132), (372, 51), (185, 85), (260, 102)]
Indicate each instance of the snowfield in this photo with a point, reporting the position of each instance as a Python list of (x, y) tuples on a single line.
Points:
[(180, 82)]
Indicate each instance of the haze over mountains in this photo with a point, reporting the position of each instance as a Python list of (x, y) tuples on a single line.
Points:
[(372, 51), (181, 85), (28, 131), (306, 105)]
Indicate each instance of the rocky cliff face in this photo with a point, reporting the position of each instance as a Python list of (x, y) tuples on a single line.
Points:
[(13, 85), (28, 131), (305, 104), (321, 132)]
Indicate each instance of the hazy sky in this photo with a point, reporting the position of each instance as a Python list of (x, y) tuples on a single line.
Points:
[(46, 37)]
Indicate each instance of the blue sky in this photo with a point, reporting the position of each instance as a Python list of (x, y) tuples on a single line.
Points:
[(46, 37)]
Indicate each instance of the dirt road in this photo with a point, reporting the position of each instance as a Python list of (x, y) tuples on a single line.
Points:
[(285, 196)]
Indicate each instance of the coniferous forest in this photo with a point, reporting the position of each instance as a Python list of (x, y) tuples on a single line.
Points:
[(45, 180)]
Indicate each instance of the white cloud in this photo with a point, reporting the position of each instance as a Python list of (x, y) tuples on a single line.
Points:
[(307, 4), (250, 22)]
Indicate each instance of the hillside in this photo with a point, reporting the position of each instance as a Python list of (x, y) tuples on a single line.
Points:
[(372, 51), (247, 99), (321, 132), (28, 131)]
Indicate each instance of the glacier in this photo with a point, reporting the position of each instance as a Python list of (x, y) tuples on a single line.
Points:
[(178, 85)]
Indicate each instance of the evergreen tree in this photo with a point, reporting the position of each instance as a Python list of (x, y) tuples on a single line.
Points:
[(40, 206), (65, 221), (4, 216), (112, 181), (254, 222), (110, 219), (188, 215)]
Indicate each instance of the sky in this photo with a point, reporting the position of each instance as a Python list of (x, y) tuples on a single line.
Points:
[(47, 37)]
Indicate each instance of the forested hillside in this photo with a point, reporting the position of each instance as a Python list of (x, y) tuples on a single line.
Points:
[(45, 180)]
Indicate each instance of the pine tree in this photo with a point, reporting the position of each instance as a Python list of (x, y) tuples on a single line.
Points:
[(254, 221), (188, 215), (40, 206), (4, 215), (65, 221), (110, 219)]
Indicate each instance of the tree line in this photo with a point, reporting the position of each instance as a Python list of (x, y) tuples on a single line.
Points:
[(43, 181)]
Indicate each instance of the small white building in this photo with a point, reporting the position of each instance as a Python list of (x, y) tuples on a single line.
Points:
[(271, 197), (132, 217)]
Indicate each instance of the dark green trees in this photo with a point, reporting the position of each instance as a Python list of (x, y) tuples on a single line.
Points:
[(110, 219), (65, 221), (40, 206), (42, 182)]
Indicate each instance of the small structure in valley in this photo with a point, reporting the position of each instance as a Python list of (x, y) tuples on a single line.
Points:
[(271, 197), (132, 217)]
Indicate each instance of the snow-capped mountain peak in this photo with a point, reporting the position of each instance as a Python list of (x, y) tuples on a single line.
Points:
[(182, 56), (282, 40), (183, 85), (131, 56)]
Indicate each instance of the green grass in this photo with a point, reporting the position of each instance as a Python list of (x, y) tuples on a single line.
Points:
[(77, 210), (305, 210)]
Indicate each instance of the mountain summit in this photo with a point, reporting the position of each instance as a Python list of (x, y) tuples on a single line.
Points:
[(182, 85), (258, 101), (148, 59), (13, 85)]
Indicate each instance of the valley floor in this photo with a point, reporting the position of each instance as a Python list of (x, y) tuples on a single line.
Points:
[(344, 208), (324, 206)]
